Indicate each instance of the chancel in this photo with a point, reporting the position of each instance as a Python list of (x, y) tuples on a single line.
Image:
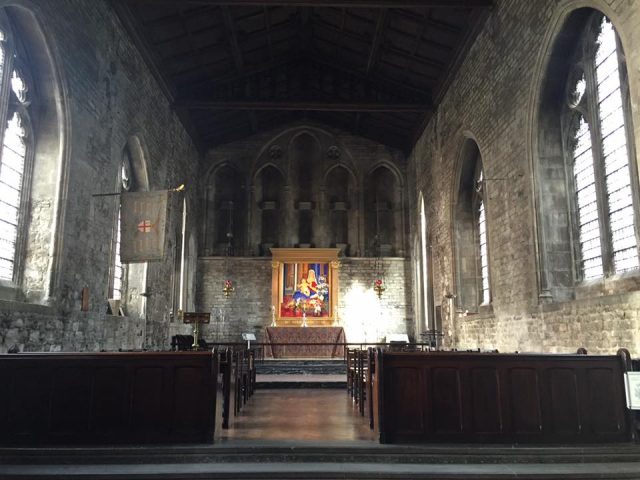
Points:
[(305, 238)]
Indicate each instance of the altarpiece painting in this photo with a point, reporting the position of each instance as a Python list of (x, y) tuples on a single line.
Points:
[(304, 286)]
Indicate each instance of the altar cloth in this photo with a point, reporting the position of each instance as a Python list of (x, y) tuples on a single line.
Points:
[(323, 342)]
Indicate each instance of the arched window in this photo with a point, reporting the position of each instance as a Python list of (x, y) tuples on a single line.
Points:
[(481, 237), (471, 234), (424, 270), (117, 269), (127, 283), (597, 153), (16, 156)]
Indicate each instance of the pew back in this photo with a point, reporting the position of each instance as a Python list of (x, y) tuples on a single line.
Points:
[(100, 398), (502, 398)]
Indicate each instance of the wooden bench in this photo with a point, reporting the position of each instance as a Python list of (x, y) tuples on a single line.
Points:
[(499, 398), (107, 398)]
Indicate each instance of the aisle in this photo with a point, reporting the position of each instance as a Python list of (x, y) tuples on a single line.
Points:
[(299, 414)]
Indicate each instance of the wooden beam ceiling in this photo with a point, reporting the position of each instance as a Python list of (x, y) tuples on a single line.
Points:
[(339, 3), (287, 105), (231, 68)]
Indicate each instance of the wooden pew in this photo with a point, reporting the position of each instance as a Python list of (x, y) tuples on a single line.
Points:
[(361, 379), (371, 371), (506, 398), (107, 398), (229, 398), (351, 371)]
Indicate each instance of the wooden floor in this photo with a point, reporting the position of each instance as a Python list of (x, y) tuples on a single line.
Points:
[(300, 414)]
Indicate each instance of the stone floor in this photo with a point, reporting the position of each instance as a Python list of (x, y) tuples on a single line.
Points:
[(314, 434)]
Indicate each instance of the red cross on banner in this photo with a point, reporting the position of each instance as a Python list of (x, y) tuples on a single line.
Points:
[(145, 226), (144, 217)]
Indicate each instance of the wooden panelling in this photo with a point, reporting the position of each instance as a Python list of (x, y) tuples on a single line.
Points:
[(406, 385), (526, 413), (469, 397), (446, 400), (605, 416), (486, 401), (108, 398), (109, 403), (565, 406), (70, 400)]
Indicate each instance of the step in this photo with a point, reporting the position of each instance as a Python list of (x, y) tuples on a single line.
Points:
[(300, 367), (361, 452), (270, 381), (317, 471)]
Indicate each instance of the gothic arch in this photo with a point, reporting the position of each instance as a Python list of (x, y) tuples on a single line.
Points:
[(555, 261), (469, 228), (41, 270)]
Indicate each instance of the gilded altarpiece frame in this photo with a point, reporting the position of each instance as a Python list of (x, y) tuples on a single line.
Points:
[(304, 286)]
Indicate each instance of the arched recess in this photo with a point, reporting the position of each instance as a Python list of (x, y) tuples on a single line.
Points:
[(383, 222), (268, 228), (128, 283), (342, 201), (305, 163), (568, 109), (470, 231), (28, 51), (224, 212)]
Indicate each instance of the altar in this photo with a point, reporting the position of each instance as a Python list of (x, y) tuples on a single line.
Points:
[(322, 342)]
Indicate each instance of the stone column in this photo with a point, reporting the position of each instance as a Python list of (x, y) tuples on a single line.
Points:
[(398, 220), (209, 233), (288, 235), (254, 219), (321, 226)]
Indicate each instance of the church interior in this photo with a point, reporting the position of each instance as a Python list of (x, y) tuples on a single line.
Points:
[(431, 204)]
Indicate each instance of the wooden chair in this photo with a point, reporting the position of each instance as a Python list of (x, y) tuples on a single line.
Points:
[(351, 371)]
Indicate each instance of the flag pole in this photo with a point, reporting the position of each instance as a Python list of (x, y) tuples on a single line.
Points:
[(182, 252)]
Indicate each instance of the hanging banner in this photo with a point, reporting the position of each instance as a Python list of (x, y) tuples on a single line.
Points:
[(143, 223)]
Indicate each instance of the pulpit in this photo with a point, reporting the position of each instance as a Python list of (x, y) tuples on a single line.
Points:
[(299, 342)]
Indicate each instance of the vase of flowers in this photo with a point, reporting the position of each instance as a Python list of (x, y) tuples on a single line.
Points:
[(228, 288), (378, 287)]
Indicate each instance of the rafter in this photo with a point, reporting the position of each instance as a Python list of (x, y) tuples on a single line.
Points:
[(288, 105), (230, 30), (340, 3), (377, 40)]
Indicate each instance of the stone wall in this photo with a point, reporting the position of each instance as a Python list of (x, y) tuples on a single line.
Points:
[(491, 100), (108, 95), (364, 317), (332, 148)]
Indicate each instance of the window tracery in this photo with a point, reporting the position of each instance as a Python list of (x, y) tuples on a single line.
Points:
[(598, 153), (15, 157)]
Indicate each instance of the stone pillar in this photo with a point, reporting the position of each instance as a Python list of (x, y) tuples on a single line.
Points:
[(209, 233), (360, 220), (288, 235), (353, 219), (254, 220), (398, 220), (321, 226)]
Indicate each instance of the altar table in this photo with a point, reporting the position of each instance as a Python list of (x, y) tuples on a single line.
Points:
[(283, 342)]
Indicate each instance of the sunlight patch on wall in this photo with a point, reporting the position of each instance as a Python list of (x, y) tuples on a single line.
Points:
[(361, 314)]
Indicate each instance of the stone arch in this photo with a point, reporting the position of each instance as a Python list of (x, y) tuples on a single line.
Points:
[(135, 274), (268, 195), (139, 156), (302, 214), (224, 211), (468, 192), (555, 256), (384, 223), (42, 256)]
